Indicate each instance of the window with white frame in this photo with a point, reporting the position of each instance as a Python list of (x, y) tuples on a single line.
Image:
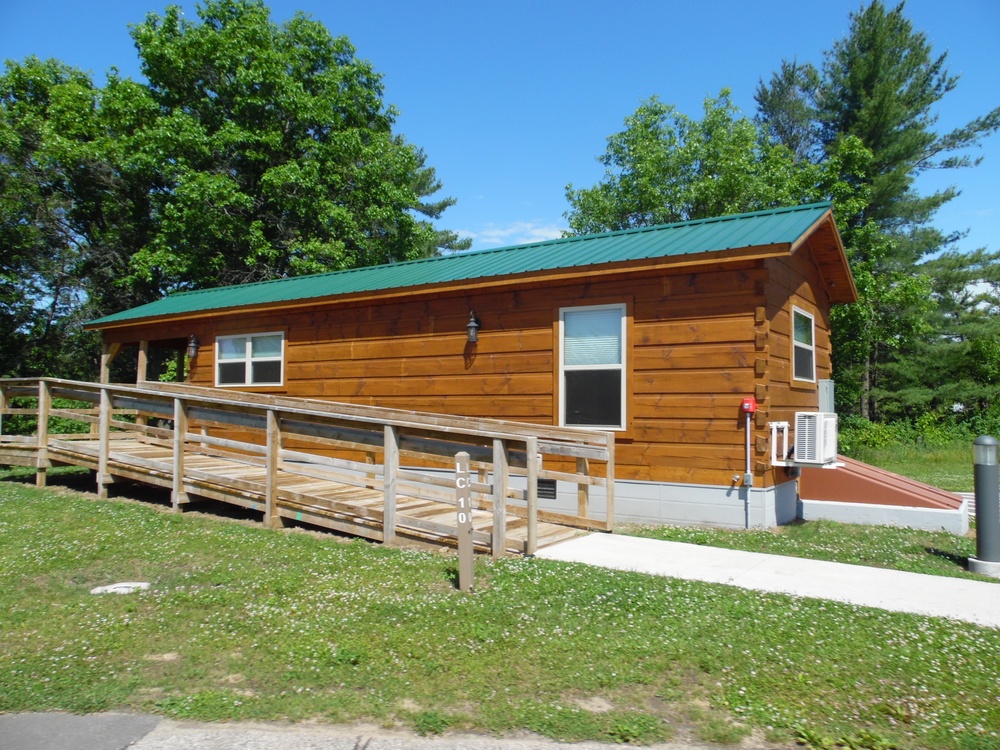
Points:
[(803, 346), (251, 359), (592, 364)]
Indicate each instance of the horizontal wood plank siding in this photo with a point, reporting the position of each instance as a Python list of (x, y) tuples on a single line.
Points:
[(699, 342), (795, 281)]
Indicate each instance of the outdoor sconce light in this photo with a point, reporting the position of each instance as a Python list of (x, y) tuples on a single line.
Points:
[(192, 350), (473, 328)]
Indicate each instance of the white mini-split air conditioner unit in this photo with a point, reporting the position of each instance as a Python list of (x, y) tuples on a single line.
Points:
[(815, 438)]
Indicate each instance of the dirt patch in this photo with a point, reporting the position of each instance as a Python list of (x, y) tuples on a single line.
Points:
[(594, 704)]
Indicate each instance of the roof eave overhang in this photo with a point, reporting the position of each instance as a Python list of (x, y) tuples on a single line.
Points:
[(831, 259), (534, 278)]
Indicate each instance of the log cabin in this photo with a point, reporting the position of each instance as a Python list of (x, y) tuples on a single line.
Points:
[(693, 342)]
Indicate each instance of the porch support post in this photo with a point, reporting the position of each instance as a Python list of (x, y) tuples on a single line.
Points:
[(142, 371), (390, 468), (142, 367), (178, 496), (108, 354), (501, 482)]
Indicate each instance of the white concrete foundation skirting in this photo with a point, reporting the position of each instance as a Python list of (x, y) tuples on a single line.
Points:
[(954, 521), (734, 507), (984, 567), (737, 507)]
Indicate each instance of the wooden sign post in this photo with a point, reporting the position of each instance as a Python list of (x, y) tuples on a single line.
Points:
[(463, 497)]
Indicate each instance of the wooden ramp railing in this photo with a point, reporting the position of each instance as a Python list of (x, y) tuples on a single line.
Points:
[(369, 471)]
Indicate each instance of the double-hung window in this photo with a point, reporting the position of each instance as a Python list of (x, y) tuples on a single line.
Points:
[(803, 346), (251, 359), (592, 373)]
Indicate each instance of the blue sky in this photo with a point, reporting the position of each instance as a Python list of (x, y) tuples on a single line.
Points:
[(513, 100)]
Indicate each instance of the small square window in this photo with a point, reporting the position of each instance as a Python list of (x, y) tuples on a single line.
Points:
[(253, 359)]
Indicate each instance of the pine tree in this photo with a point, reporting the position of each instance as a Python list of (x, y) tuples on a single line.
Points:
[(880, 84)]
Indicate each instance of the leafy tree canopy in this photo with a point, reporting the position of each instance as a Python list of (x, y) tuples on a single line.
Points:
[(955, 367), (43, 106), (254, 151), (881, 85), (279, 153), (666, 167)]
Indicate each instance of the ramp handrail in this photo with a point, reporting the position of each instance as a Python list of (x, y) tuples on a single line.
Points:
[(403, 453)]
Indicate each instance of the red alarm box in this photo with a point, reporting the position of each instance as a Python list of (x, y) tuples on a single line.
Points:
[(749, 405)]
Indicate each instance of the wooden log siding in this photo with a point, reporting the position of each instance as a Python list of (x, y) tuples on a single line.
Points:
[(792, 282), (262, 437), (693, 353), (699, 340)]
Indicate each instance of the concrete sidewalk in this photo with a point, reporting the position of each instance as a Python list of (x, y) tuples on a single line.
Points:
[(56, 731), (938, 596)]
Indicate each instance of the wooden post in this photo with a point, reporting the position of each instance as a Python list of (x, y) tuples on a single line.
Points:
[(108, 354), (178, 496), (3, 405), (272, 518), (42, 432), (582, 489), (390, 467), (610, 522), (370, 476), (142, 366), (104, 439), (531, 458), (142, 371), (463, 525), (501, 483)]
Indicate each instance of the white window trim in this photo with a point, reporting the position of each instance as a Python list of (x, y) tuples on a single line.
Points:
[(623, 309), (796, 344), (248, 360)]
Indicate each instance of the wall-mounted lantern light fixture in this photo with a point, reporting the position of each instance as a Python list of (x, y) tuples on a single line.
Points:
[(192, 349), (473, 328)]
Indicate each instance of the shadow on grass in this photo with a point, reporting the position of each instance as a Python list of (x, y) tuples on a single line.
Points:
[(70, 478), (959, 560)]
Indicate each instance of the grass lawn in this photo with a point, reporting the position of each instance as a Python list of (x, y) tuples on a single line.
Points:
[(948, 467), (246, 623)]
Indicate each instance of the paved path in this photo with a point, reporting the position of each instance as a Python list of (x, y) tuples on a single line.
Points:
[(53, 731), (938, 596)]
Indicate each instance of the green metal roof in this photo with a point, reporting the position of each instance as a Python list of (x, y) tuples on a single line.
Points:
[(772, 227)]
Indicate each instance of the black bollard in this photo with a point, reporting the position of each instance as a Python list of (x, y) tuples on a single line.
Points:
[(986, 475)]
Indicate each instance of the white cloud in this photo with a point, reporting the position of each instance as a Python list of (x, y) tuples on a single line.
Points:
[(518, 233)]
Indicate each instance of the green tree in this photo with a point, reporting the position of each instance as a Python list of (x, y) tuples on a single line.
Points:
[(666, 167), (255, 151), (43, 106), (956, 367), (280, 155), (880, 84), (786, 110)]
